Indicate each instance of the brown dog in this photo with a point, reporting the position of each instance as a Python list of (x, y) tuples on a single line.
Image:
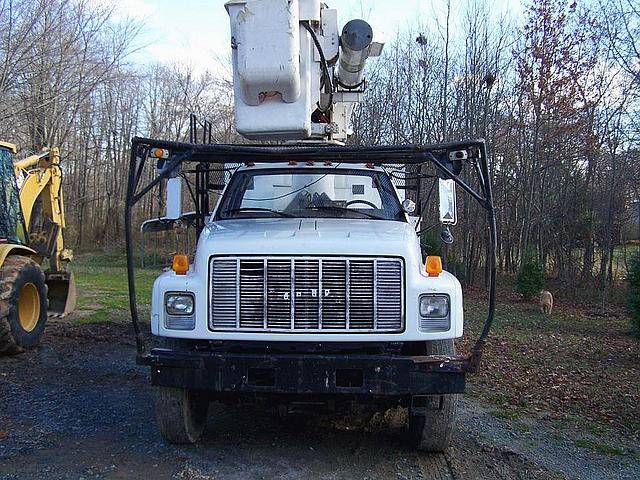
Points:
[(546, 302)]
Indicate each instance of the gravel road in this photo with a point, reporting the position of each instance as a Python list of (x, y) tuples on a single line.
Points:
[(78, 407)]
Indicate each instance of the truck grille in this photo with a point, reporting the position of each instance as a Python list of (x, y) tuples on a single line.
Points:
[(307, 294)]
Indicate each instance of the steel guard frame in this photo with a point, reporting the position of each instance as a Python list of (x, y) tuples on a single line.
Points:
[(436, 154)]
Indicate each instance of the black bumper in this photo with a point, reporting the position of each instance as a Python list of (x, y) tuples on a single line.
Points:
[(377, 375)]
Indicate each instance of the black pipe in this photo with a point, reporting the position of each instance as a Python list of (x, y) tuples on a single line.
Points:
[(491, 258), (131, 187), (165, 173), (455, 178), (271, 154)]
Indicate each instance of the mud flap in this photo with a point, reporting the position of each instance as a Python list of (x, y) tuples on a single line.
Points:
[(62, 293)]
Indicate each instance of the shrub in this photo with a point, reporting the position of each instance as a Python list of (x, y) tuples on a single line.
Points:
[(530, 277), (431, 243), (633, 293)]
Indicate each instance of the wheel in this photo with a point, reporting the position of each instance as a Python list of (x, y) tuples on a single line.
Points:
[(23, 304), (431, 430), (181, 414)]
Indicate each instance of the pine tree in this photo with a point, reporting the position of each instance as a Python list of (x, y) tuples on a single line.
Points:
[(633, 293), (530, 277)]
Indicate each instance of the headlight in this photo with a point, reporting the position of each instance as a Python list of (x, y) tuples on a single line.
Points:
[(179, 303), (434, 313), (434, 306)]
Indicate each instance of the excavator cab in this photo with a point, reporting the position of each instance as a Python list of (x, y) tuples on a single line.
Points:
[(12, 226)]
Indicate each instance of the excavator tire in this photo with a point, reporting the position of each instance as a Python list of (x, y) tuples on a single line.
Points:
[(23, 304)]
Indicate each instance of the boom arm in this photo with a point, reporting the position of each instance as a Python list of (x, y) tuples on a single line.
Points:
[(295, 76), (40, 181)]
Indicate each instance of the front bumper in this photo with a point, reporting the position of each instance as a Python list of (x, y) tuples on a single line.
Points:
[(372, 375)]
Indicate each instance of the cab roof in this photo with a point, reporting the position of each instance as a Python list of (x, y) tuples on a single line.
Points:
[(9, 146)]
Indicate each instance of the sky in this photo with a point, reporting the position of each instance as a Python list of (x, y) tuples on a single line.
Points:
[(197, 31)]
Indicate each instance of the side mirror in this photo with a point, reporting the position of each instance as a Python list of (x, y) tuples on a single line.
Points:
[(446, 236), (409, 206), (174, 183), (174, 198), (447, 194)]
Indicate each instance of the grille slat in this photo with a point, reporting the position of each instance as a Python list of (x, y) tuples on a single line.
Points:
[(389, 299), (223, 293), (251, 294), (334, 302), (279, 294), (361, 294), (307, 285), (307, 294)]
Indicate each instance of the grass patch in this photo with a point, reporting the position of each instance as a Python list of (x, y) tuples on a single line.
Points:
[(601, 448), (505, 414), (103, 292)]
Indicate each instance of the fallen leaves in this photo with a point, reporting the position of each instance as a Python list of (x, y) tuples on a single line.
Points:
[(572, 364)]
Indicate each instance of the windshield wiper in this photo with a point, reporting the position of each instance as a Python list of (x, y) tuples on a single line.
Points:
[(256, 209), (336, 208)]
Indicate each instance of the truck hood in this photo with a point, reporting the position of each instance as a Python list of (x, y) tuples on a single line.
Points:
[(308, 236)]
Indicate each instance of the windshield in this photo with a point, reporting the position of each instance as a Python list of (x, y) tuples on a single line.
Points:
[(310, 192), (11, 221)]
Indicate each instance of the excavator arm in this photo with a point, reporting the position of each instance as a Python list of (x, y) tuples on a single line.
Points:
[(40, 189), (40, 182)]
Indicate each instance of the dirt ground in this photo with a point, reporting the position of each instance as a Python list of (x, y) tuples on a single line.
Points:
[(78, 407)]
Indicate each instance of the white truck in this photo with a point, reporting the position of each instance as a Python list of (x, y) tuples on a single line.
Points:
[(308, 286)]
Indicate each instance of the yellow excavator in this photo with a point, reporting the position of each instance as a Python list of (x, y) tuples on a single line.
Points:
[(35, 279)]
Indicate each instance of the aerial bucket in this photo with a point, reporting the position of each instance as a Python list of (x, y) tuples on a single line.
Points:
[(62, 293)]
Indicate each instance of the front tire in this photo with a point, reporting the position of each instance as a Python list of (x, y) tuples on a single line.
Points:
[(23, 304), (431, 429), (181, 414)]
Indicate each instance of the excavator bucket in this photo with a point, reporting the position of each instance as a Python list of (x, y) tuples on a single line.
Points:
[(62, 293)]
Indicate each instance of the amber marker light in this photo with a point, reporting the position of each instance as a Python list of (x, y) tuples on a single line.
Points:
[(180, 264), (158, 153), (433, 265)]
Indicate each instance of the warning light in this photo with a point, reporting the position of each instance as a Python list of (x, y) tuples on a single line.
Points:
[(159, 153), (433, 265), (180, 264)]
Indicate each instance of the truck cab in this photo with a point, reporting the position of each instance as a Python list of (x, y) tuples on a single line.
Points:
[(308, 253)]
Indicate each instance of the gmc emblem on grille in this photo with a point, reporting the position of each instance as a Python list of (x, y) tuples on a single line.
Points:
[(314, 293)]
